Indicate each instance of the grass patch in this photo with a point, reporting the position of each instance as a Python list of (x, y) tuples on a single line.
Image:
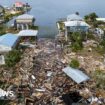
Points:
[(12, 58)]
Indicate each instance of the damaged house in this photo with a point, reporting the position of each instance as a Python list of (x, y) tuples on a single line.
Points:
[(73, 23)]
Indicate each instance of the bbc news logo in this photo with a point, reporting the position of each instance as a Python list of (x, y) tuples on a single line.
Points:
[(6, 93)]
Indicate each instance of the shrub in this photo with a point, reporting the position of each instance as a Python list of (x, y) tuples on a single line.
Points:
[(101, 47), (76, 47), (12, 58), (99, 77), (74, 63), (76, 39), (102, 43), (90, 36), (2, 29)]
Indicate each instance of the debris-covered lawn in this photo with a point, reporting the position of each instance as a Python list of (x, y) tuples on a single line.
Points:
[(40, 77)]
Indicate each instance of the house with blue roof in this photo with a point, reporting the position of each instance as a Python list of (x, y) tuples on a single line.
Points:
[(8, 42)]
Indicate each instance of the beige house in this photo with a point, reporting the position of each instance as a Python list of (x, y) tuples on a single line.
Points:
[(24, 21)]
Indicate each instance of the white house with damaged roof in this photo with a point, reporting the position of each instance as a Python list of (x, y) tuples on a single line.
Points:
[(74, 23)]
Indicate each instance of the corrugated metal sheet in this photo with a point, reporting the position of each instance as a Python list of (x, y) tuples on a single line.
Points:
[(8, 39), (28, 33), (76, 75)]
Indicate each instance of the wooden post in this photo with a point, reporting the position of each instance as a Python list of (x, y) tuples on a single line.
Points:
[(66, 33), (22, 26), (27, 27), (17, 25)]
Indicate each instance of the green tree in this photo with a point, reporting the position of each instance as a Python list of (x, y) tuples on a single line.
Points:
[(12, 58), (91, 17), (74, 63), (86, 17)]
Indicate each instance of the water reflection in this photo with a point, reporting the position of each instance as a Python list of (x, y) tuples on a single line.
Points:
[(47, 12)]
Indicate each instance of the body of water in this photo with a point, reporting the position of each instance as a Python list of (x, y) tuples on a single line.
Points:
[(47, 12)]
